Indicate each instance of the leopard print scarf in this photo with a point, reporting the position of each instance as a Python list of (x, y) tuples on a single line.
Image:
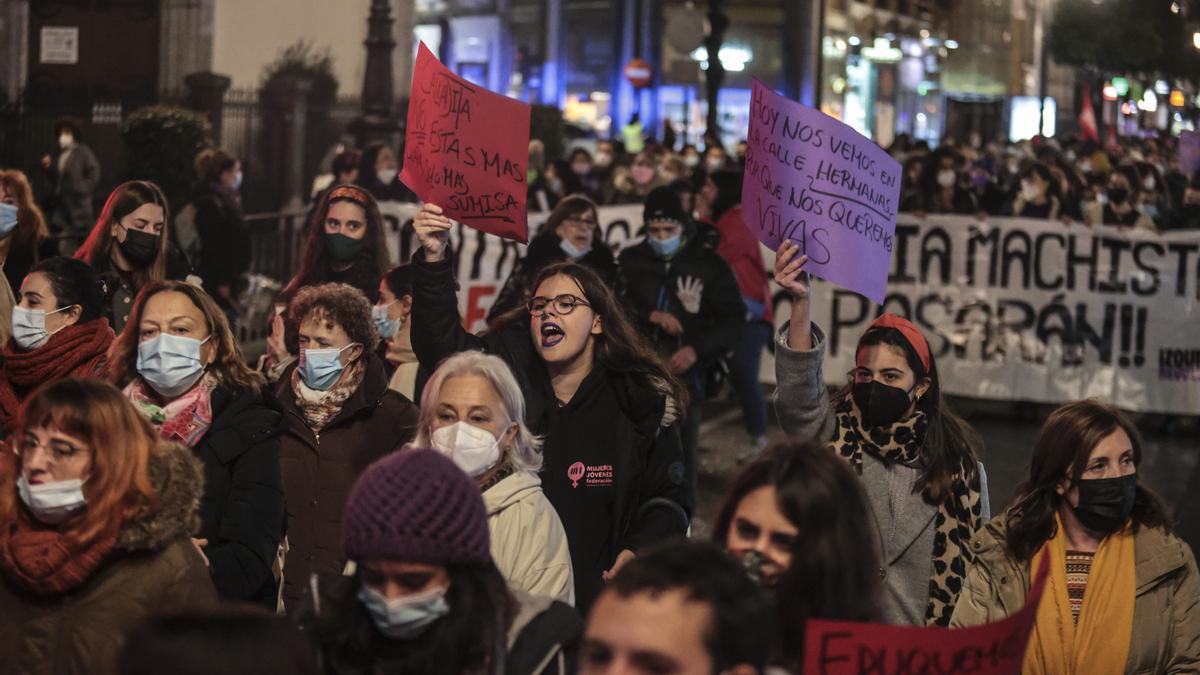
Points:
[(958, 517)]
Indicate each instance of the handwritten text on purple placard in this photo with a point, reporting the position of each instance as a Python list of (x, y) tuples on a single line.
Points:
[(816, 181)]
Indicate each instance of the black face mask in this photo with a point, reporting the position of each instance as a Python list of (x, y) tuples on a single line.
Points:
[(1118, 195), (139, 248), (879, 404), (1105, 503)]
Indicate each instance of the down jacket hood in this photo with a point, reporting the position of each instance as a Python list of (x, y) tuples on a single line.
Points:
[(178, 478)]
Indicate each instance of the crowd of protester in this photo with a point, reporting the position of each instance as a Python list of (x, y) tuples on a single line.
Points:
[(386, 492)]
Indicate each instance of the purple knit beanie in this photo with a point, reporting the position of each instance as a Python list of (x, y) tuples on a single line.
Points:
[(417, 506)]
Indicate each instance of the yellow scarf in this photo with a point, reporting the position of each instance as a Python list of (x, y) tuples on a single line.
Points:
[(1099, 644)]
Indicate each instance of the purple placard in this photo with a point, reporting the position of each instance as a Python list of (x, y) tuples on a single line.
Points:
[(1189, 152), (816, 181)]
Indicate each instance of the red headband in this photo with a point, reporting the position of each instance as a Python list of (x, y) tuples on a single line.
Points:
[(911, 333), (354, 194)]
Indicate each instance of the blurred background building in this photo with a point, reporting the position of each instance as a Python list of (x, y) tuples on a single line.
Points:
[(930, 69)]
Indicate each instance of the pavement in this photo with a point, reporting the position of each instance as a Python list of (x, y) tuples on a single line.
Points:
[(1170, 462)]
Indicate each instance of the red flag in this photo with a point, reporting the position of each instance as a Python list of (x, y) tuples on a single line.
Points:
[(1087, 118)]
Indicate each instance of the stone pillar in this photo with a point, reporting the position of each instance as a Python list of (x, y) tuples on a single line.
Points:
[(206, 93), (185, 41), (14, 55), (378, 121), (287, 114), (402, 62)]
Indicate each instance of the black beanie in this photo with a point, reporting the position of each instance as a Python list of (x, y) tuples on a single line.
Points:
[(663, 204)]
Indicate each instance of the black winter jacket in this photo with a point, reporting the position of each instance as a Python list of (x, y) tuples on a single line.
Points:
[(543, 252), (650, 284), (613, 464), (242, 507), (224, 237)]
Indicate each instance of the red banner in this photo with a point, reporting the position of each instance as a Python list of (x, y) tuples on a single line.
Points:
[(466, 149), (850, 648)]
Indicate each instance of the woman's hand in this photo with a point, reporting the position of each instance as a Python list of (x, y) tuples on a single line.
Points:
[(200, 544), (791, 276), (622, 558), (276, 348), (789, 273), (433, 229), (666, 321)]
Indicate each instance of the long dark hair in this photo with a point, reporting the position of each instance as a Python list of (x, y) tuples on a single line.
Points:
[(951, 447), (1062, 449), (573, 205), (835, 559), (620, 348), (124, 200), (729, 191), (74, 283), (316, 266), (471, 638)]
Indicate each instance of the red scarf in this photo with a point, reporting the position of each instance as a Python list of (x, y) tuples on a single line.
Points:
[(77, 350), (46, 561)]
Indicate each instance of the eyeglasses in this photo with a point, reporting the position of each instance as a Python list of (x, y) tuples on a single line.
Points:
[(582, 223), (60, 452), (563, 305)]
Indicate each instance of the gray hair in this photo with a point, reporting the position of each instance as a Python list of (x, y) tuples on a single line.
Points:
[(525, 453)]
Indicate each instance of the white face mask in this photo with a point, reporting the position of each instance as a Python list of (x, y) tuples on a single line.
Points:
[(52, 503), (474, 450), (65, 141), (1149, 184), (29, 326), (386, 176), (946, 177)]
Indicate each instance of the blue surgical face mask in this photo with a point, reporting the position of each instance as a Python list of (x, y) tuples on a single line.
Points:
[(386, 326), (237, 180), (665, 248), (320, 368), (171, 364), (8, 219), (406, 617), (29, 326), (572, 252)]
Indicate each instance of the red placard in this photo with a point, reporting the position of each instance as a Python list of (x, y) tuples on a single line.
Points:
[(466, 149), (850, 648)]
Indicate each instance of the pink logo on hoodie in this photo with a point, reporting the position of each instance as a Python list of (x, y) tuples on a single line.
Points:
[(575, 472)]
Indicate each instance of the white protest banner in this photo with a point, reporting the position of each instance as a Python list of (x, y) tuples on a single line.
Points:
[(1035, 310), (1028, 310)]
